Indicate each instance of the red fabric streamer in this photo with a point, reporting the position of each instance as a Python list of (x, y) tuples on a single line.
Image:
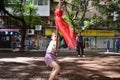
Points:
[(65, 29)]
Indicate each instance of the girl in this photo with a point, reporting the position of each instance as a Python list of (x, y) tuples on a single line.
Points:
[(50, 57)]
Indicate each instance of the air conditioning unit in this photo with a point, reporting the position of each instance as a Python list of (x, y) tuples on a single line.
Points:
[(31, 31), (38, 27)]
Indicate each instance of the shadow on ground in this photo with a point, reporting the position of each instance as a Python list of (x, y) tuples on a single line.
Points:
[(31, 66)]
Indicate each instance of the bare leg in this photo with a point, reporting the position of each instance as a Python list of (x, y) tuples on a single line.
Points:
[(56, 69)]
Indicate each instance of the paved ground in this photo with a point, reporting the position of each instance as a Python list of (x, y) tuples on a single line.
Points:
[(31, 66)]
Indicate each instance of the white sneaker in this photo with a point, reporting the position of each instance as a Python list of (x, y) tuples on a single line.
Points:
[(83, 56), (107, 50), (78, 55)]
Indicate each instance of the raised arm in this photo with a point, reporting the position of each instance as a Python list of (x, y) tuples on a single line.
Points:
[(59, 5)]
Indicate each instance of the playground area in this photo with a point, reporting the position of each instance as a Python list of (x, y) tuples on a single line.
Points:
[(31, 66)]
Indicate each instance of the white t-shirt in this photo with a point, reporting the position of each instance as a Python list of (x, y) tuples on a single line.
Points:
[(51, 46)]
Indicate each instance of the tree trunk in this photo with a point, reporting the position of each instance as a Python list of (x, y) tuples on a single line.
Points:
[(23, 36), (24, 25), (1, 5)]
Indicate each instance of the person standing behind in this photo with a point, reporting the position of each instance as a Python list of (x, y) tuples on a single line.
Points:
[(50, 57), (117, 45), (80, 44), (108, 45), (14, 43)]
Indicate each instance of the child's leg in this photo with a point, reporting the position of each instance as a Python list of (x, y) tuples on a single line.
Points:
[(56, 69), (58, 64)]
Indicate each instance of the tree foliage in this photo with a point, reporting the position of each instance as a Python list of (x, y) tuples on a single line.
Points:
[(76, 16), (21, 10), (24, 9), (105, 8), (111, 10)]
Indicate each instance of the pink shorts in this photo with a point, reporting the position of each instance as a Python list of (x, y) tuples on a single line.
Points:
[(49, 57)]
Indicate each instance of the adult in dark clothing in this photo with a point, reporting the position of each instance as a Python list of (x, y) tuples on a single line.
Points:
[(80, 44), (108, 45), (117, 45)]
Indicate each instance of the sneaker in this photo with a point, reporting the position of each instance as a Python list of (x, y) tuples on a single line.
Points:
[(83, 56), (78, 55), (107, 50)]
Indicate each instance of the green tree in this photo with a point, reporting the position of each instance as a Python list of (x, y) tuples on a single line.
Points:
[(106, 18), (24, 11), (110, 13), (76, 15)]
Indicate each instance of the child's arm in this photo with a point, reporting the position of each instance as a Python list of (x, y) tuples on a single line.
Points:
[(59, 5)]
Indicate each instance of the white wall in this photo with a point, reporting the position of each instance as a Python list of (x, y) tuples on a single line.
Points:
[(44, 10)]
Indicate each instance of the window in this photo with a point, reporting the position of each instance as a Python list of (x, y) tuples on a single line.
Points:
[(42, 2)]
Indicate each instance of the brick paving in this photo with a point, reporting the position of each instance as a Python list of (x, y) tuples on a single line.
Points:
[(31, 66)]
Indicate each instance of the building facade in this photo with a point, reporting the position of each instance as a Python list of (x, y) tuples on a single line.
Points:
[(93, 38)]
